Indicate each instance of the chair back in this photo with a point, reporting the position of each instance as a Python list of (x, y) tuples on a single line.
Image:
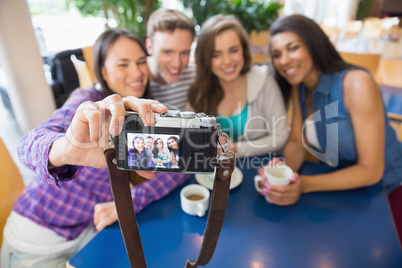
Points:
[(81, 67), (389, 72), (11, 185), (367, 61), (351, 29), (331, 31), (259, 46), (63, 73), (88, 57), (372, 27)]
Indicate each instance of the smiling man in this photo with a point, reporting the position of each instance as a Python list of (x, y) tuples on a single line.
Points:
[(169, 37)]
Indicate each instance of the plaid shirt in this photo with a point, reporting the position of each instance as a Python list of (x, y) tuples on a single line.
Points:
[(65, 206)]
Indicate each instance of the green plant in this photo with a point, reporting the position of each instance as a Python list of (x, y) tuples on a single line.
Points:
[(130, 14), (364, 8), (253, 14)]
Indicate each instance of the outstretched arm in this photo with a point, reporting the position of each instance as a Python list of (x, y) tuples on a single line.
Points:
[(88, 133)]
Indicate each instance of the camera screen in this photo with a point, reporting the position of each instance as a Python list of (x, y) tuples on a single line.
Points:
[(153, 151)]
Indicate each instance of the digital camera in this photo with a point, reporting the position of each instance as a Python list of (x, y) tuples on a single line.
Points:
[(183, 142)]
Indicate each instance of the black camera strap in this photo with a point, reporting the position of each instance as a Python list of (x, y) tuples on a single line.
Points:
[(120, 183)]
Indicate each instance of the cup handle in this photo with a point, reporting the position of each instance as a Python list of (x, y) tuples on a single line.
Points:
[(257, 179), (201, 210)]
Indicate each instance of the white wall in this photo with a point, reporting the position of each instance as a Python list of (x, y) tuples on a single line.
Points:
[(30, 95), (320, 10)]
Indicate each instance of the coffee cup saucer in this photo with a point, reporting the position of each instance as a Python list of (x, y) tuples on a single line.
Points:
[(205, 179)]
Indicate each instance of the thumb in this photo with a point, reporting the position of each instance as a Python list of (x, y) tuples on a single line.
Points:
[(101, 225)]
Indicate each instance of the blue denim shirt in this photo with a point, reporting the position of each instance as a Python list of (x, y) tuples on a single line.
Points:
[(335, 129)]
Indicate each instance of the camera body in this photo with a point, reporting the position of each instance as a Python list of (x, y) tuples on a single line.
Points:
[(183, 142)]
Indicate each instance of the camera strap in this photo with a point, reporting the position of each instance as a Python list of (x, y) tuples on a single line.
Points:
[(120, 183)]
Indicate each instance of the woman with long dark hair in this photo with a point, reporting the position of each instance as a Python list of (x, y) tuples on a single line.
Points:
[(161, 154), (173, 146), (70, 198), (137, 156), (338, 115)]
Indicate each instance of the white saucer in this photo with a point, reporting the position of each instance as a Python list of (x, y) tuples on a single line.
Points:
[(205, 180)]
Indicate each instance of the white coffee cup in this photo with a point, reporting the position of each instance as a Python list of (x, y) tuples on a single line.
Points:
[(276, 175), (194, 199)]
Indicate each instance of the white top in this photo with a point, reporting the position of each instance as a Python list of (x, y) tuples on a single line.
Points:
[(266, 129), (310, 132), (28, 236)]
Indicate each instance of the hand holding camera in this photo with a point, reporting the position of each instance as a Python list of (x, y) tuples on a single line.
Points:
[(88, 133)]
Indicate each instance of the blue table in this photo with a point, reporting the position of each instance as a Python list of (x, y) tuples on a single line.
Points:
[(332, 229)]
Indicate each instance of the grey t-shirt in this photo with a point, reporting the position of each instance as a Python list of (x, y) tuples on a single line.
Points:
[(174, 95)]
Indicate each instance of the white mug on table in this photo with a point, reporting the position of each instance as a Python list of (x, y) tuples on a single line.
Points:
[(194, 199)]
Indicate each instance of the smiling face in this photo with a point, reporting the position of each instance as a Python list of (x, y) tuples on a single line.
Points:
[(139, 144), (125, 69), (227, 59), (173, 144), (170, 53), (149, 142), (159, 144), (292, 60)]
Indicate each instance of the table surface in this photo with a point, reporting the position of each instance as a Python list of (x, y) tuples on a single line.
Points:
[(329, 229)]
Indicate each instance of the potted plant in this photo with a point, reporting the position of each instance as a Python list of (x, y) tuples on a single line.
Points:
[(257, 15), (130, 14)]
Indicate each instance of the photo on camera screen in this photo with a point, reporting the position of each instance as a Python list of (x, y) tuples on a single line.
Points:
[(153, 151)]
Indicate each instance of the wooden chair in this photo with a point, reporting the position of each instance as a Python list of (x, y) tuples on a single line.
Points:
[(259, 47), (11, 185), (395, 120), (389, 72), (367, 61), (372, 28), (331, 32), (351, 29), (88, 56), (391, 28), (84, 76)]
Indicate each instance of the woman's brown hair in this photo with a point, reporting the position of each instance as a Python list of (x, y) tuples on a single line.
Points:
[(324, 55), (101, 47), (206, 93)]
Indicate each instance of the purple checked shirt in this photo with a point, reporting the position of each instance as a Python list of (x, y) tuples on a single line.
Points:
[(63, 199)]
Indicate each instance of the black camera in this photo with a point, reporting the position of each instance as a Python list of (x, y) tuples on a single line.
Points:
[(183, 142)]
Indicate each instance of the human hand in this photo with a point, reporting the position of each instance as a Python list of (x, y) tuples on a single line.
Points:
[(282, 195), (88, 133), (104, 215)]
